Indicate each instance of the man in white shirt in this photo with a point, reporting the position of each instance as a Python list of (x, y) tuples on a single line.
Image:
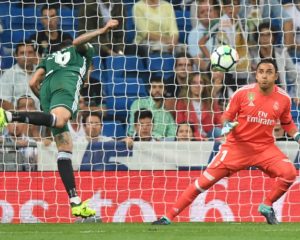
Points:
[(14, 82)]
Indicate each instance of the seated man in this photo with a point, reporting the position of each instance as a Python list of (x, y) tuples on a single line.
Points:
[(164, 125), (92, 122), (14, 82), (49, 39), (19, 154)]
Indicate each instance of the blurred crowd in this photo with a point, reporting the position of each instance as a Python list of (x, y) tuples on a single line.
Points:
[(171, 43)]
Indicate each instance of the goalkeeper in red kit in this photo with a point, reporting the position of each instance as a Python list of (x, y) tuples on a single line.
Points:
[(248, 123)]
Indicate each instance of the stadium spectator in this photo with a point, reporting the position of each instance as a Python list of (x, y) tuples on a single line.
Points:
[(293, 9), (14, 82), (173, 85), (75, 125), (92, 95), (197, 107), (143, 126), (164, 125), (92, 122), (49, 39), (26, 103), (220, 91), (94, 14), (156, 27), (248, 123), (201, 40), (266, 48), (185, 132), (19, 152), (233, 32), (257, 11)]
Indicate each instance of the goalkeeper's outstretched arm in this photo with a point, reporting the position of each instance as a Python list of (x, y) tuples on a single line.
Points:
[(86, 37)]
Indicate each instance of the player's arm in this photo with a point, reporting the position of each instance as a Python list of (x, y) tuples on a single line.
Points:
[(80, 41), (36, 80), (288, 124), (230, 114)]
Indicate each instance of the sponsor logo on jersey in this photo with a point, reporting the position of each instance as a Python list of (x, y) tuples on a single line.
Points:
[(251, 98), (262, 118)]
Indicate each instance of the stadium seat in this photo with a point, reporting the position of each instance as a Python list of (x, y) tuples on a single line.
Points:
[(129, 25), (126, 87), (162, 65), (295, 113), (114, 129), (184, 24), (99, 71), (69, 19), (124, 66), (118, 106)]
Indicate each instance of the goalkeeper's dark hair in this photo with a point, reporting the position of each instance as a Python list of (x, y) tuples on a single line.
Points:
[(269, 60)]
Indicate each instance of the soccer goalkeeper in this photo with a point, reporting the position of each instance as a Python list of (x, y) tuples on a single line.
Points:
[(249, 119), (57, 82)]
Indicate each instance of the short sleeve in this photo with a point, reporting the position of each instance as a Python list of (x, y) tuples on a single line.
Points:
[(233, 107), (42, 64)]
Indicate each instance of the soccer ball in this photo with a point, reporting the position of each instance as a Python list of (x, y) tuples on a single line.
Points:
[(224, 58)]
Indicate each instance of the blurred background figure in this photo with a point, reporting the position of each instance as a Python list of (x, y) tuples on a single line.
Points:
[(92, 122), (220, 91), (14, 82), (233, 32), (272, 11), (163, 122), (201, 40), (197, 107), (289, 78), (143, 126), (173, 85), (26, 103), (185, 132), (49, 39), (156, 27), (94, 14), (19, 152)]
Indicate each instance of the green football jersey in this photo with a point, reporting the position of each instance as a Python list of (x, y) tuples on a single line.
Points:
[(68, 59)]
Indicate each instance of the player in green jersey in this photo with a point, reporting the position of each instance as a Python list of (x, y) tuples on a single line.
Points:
[(57, 82)]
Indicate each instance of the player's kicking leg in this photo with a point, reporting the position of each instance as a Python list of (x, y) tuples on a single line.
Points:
[(64, 145)]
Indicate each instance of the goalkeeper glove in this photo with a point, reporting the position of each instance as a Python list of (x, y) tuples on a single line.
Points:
[(297, 137), (228, 126)]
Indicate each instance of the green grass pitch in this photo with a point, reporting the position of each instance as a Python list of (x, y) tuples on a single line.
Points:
[(144, 231)]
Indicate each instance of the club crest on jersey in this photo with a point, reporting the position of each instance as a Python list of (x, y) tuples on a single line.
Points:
[(276, 106), (251, 98)]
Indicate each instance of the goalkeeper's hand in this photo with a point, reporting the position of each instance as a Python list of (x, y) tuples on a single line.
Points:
[(228, 126)]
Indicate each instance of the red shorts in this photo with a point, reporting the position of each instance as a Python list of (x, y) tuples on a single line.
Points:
[(234, 157)]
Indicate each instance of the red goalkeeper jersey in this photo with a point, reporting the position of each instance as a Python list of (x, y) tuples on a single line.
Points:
[(257, 114)]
